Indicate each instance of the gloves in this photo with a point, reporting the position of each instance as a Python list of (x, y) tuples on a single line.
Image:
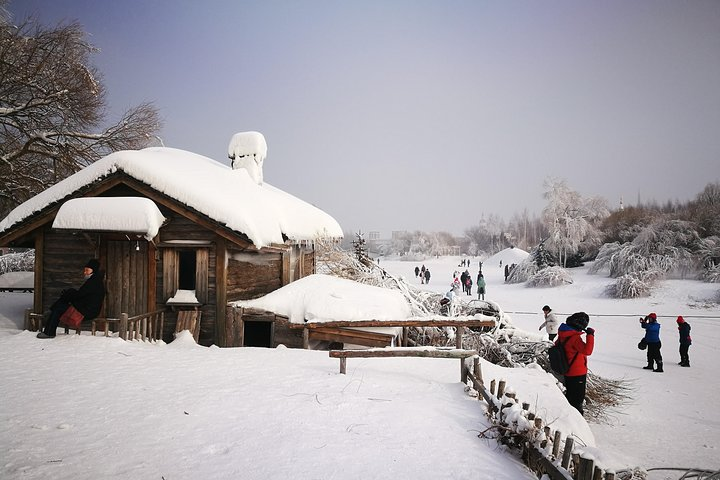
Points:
[(590, 331)]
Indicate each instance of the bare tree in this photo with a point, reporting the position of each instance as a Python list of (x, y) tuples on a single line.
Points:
[(52, 106)]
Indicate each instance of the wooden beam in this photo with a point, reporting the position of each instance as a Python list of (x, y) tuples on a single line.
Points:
[(404, 352), (357, 337), (436, 322)]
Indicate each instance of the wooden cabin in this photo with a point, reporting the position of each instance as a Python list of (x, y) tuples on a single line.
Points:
[(164, 223)]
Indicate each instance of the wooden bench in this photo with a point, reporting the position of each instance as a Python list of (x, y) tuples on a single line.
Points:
[(427, 352)]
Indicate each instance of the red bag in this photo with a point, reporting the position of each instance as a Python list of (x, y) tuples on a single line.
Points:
[(72, 317)]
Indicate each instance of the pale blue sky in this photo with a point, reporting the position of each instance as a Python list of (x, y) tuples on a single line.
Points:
[(404, 115)]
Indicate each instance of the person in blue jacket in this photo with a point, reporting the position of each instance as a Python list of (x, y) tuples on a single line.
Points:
[(652, 338), (685, 341)]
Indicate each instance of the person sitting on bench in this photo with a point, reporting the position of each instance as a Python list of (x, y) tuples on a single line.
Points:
[(88, 299)]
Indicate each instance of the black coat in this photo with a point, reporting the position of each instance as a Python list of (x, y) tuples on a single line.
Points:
[(684, 329), (88, 299)]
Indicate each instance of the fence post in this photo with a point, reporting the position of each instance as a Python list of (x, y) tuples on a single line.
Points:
[(597, 474), (477, 370), (123, 326), (585, 470), (458, 345), (501, 389), (556, 444), (567, 452)]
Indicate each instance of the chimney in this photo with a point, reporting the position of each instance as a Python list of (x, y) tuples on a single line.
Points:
[(248, 150)]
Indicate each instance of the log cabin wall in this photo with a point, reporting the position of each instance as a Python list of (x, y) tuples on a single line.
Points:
[(252, 274), (64, 256), (308, 256), (182, 234)]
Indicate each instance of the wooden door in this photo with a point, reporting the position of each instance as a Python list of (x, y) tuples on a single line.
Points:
[(126, 278)]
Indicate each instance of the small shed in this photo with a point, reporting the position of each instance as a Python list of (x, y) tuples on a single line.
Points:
[(322, 300), (164, 222)]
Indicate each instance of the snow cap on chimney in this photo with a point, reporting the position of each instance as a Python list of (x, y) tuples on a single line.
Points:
[(248, 150)]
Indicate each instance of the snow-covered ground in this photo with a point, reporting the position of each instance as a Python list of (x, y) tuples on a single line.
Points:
[(92, 407)]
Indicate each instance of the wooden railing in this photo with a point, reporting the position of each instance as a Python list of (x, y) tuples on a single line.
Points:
[(146, 327), (427, 352), (459, 323)]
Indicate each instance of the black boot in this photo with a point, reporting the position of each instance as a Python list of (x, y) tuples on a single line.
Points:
[(659, 368), (649, 367)]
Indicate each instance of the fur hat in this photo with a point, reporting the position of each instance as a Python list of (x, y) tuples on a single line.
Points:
[(578, 321), (680, 319), (94, 264), (547, 308)]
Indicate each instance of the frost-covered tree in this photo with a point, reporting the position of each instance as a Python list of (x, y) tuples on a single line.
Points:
[(17, 262), (571, 219), (489, 236), (705, 210), (52, 108), (663, 247)]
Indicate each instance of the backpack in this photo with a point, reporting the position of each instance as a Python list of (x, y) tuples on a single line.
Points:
[(558, 359)]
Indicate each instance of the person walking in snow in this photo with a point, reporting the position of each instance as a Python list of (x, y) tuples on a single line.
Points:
[(417, 271), (551, 323), (576, 352), (685, 341), (422, 274), (87, 300), (427, 276), (652, 338), (463, 277), (468, 285), (481, 286)]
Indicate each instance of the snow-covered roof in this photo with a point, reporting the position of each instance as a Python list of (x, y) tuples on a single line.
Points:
[(262, 212), (117, 214), (318, 298)]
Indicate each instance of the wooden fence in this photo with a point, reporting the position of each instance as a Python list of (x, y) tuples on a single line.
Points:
[(540, 447)]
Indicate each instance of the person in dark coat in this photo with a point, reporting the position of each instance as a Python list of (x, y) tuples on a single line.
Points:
[(427, 276), (417, 271), (88, 299), (652, 338), (685, 341), (576, 351)]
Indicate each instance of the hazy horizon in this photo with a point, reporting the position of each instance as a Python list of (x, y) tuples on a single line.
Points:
[(421, 115)]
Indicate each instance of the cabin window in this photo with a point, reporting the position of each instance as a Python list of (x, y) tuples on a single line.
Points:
[(186, 269)]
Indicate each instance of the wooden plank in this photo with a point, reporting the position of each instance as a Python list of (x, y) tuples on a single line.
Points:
[(357, 337), (39, 271), (449, 322), (223, 326), (201, 275), (170, 273), (404, 352)]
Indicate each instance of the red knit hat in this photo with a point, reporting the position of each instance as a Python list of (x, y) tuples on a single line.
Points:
[(653, 316), (680, 319)]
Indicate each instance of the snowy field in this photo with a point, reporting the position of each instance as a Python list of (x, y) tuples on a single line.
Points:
[(673, 420), (80, 407)]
